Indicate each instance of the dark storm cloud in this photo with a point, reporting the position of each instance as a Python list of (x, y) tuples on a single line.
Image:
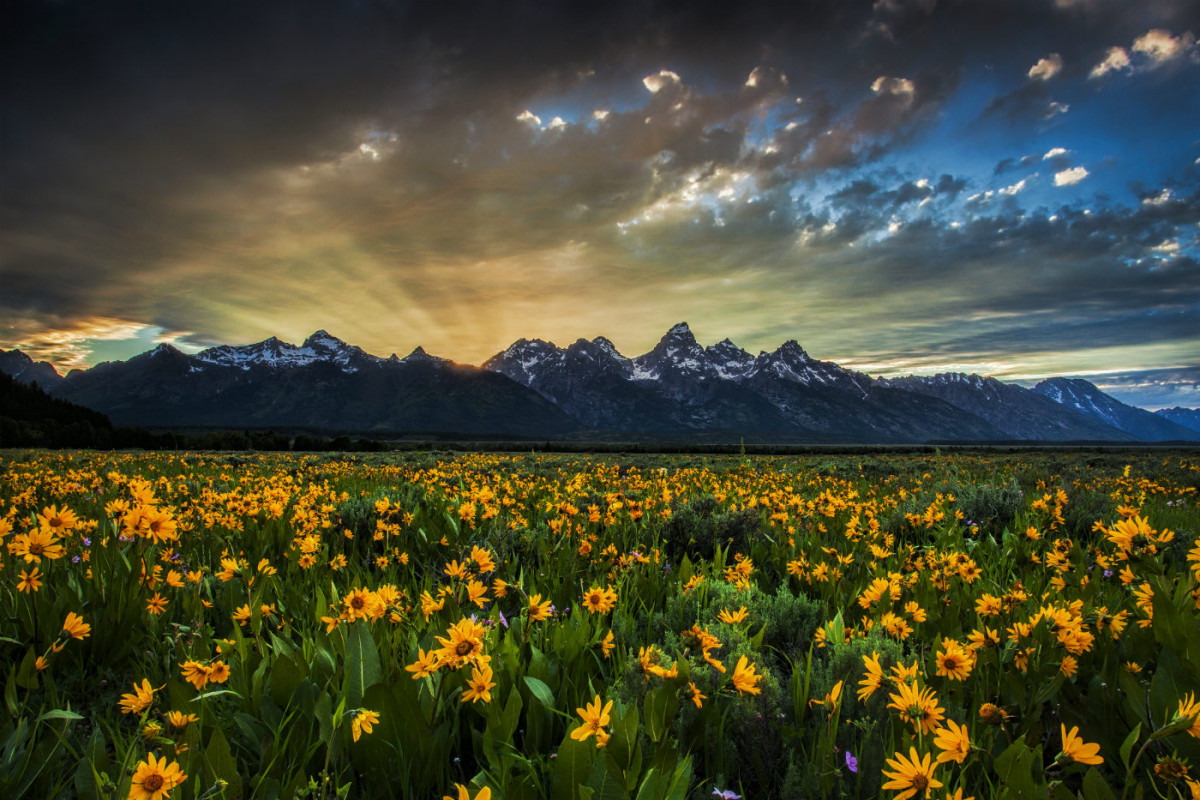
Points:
[(1030, 103), (1160, 388), (218, 168), (1010, 164)]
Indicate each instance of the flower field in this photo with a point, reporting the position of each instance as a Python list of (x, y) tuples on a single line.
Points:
[(534, 626)]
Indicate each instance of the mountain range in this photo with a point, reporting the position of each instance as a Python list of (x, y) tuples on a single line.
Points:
[(536, 389)]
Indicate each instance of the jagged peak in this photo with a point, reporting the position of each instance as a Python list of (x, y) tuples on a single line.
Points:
[(165, 347), (419, 355), (679, 336), (604, 343), (791, 348), (325, 340), (1078, 384), (530, 344)]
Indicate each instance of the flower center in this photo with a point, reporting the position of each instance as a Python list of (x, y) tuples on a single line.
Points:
[(153, 783), (920, 782), (36, 548), (464, 648)]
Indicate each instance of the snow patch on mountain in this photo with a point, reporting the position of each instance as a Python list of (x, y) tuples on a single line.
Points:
[(276, 354)]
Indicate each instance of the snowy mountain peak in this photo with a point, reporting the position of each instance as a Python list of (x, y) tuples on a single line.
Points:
[(676, 352), (24, 369), (680, 329), (1089, 399), (419, 356), (598, 348), (524, 360), (790, 362), (323, 340), (1082, 396), (604, 345), (728, 360), (277, 354), (792, 351)]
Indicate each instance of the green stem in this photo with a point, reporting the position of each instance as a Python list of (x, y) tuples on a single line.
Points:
[(1133, 768)]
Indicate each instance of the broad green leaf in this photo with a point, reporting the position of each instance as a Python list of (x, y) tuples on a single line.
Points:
[(362, 663), (220, 764), (660, 706), (1095, 787), (540, 690), (572, 767)]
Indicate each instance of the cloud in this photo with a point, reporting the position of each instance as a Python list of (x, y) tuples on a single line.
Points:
[(1053, 109), (1029, 102), (1161, 198), (1160, 46), (1046, 68), (388, 172), (1116, 60), (1070, 177), (660, 80), (1057, 159), (71, 346), (1009, 164), (1152, 389), (1013, 189), (902, 87), (1153, 49)]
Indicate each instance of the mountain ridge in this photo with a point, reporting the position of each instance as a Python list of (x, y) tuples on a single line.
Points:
[(534, 387)]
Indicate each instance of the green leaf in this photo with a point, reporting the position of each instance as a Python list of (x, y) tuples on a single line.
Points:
[(215, 693), (58, 713), (10, 692), (323, 711), (606, 781), (362, 663), (1176, 725), (540, 690), (654, 786), (623, 744), (220, 764), (1127, 745), (1095, 787), (27, 673), (686, 570), (681, 779), (1014, 769), (285, 676), (94, 762), (660, 705), (572, 767)]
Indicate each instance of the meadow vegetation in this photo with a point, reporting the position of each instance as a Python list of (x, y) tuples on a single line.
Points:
[(205, 625)]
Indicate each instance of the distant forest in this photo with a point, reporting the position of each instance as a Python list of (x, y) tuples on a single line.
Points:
[(31, 418)]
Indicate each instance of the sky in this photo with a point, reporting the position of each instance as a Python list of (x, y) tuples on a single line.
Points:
[(1005, 187)]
